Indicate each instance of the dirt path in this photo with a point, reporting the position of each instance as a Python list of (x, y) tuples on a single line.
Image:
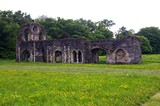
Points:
[(154, 101)]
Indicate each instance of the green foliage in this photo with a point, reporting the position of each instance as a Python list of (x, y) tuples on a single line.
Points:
[(153, 35), (78, 84), (145, 45), (60, 28), (124, 32), (21, 18), (67, 28), (9, 25), (8, 33)]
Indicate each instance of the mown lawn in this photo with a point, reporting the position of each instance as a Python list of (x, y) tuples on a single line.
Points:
[(46, 84)]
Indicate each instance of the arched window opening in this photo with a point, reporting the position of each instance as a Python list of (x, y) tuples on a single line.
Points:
[(74, 56), (120, 56), (40, 35), (25, 56), (99, 56), (79, 56), (26, 34), (35, 29), (58, 57)]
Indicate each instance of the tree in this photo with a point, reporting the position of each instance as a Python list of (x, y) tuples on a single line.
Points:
[(105, 23), (60, 28), (153, 35), (123, 32), (8, 33), (18, 17), (9, 25), (145, 45)]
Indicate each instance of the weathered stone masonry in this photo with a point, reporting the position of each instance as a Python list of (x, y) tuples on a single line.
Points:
[(32, 45)]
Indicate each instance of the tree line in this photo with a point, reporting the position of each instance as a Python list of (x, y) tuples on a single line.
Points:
[(59, 28)]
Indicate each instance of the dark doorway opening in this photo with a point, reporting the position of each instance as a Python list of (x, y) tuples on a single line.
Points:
[(26, 34), (99, 56), (79, 56), (74, 56), (25, 56), (58, 56)]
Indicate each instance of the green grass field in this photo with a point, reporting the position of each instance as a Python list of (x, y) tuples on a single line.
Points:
[(48, 84)]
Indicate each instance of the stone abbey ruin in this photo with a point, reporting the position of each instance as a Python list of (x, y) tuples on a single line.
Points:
[(32, 45)]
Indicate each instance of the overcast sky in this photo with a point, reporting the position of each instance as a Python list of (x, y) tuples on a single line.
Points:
[(133, 14)]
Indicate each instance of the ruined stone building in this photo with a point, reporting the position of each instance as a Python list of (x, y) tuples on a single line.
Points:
[(32, 45)]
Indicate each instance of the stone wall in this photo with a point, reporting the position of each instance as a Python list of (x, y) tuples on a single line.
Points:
[(32, 45)]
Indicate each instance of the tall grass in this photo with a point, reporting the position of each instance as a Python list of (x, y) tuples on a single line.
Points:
[(78, 84)]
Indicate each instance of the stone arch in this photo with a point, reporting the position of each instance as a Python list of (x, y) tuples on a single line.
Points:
[(25, 55), (74, 56), (31, 32), (120, 56), (35, 32), (95, 54), (35, 29), (80, 56), (58, 56), (26, 34)]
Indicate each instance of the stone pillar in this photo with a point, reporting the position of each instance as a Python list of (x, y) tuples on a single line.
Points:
[(82, 57), (19, 54), (69, 55), (34, 51), (53, 54), (47, 55), (77, 56), (65, 55)]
